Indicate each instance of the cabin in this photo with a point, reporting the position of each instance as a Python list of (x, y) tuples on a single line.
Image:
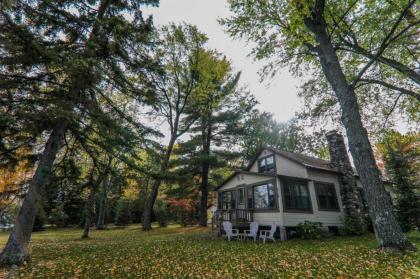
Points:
[(282, 187)]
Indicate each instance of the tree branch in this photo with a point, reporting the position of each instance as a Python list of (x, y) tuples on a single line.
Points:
[(384, 44), (403, 91)]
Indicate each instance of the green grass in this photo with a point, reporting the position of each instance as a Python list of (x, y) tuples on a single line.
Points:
[(176, 252)]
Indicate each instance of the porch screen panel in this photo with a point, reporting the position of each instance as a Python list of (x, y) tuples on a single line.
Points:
[(296, 196), (228, 198), (249, 197), (241, 195), (264, 196), (327, 197)]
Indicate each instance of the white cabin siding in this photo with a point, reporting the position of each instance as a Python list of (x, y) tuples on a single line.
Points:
[(288, 167), (284, 166), (327, 218)]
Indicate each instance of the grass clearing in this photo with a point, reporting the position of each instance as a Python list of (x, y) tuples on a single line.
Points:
[(192, 252)]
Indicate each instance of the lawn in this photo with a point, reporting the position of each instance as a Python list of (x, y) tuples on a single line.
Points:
[(176, 252)]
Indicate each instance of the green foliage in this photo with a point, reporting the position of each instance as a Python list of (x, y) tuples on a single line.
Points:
[(221, 108), (352, 227), (58, 217), (262, 130), (401, 155), (53, 59), (161, 211), (176, 252), (179, 87), (310, 230), (73, 64), (281, 39), (123, 216)]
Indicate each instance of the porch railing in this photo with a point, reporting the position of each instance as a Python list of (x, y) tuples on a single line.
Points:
[(234, 216)]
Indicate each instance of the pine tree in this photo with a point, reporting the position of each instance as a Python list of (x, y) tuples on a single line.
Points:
[(401, 155), (222, 108), (178, 53), (56, 59)]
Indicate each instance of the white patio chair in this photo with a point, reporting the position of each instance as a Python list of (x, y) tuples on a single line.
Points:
[(253, 231), (268, 234), (230, 233)]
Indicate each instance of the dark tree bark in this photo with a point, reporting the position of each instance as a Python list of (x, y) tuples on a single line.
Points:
[(89, 211), (100, 224), (387, 229), (204, 187), (150, 201), (16, 250)]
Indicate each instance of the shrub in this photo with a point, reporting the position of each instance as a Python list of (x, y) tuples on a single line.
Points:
[(58, 217), (310, 230), (123, 215), (161, 212), (184, 211), (352, 227), (137, 207)]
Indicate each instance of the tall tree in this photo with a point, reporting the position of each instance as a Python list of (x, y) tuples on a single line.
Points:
[(387, 90), (401, 154), (302, 32), (222, 108), (55, 58), (179, 53)]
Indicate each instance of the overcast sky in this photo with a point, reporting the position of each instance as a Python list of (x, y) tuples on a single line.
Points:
[(279, 98)]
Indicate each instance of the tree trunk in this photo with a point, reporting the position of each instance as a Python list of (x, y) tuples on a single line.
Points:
[(16, 250), (148, 206), (204, 196), (89, 209), (387, 229), (204, 187), (100, 224)]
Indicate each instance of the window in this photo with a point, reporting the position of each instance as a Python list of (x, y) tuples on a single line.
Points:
[(266, 164), (264, 196), (327, 198), (228, 200), (241, 195), (296, 196)]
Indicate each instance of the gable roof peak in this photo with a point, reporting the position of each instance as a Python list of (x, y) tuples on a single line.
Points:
[(302, 159)]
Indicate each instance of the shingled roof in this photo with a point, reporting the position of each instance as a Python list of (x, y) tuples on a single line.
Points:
[(307, 161)]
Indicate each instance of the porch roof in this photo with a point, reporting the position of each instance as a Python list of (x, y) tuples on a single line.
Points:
[(243, 172)]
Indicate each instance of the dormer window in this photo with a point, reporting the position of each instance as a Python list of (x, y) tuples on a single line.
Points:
[(266, 164)]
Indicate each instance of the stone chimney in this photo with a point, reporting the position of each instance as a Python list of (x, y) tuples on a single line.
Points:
[(348, 187)]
